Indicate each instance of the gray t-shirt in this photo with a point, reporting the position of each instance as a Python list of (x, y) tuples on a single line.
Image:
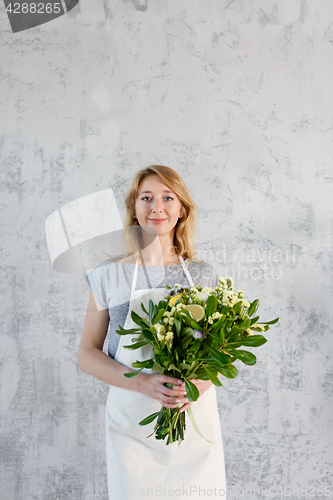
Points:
[(111, 283)]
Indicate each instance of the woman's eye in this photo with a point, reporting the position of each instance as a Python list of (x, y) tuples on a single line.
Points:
[(144, 198)]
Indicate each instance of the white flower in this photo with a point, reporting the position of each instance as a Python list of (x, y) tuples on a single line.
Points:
[(245, 303), (197, 334), (210, 320), (159, 329), (160, 337), (250, 332), (168, 339), (227, 298), (169, 336), (216, 315), (201, 297), (207, 289), (258, 327)]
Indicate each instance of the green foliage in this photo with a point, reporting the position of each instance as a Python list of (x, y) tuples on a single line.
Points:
[(186, 349), (253, 308), (149, 419), (211, 305), (192, 391)]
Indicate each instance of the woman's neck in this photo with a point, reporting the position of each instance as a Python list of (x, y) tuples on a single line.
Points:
[(161, 252)]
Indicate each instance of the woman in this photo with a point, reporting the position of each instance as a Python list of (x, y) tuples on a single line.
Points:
[(158, 201)]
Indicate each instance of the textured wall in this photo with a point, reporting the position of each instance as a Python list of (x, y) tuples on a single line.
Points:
[(236, 96)]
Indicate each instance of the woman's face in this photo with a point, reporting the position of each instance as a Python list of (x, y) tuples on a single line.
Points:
[(157, 206)]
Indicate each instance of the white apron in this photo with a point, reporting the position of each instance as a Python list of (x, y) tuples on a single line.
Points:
[(143, 467)]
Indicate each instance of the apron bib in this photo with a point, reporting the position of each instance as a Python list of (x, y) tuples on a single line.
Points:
[(138, 466)]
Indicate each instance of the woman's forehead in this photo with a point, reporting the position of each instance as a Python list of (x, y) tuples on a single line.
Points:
[(153, 183)]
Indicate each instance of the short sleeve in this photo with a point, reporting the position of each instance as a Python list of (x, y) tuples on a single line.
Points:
[(97, 280)]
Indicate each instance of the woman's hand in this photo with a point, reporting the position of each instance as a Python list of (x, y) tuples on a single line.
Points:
[(202, 385), (153, 386)]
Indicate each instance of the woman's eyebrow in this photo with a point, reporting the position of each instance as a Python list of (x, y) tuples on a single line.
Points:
[(164, 191)]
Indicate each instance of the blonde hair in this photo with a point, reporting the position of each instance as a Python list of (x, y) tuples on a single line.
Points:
[(184, 238)]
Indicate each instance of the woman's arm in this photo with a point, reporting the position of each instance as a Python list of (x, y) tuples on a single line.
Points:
[(95, 362)]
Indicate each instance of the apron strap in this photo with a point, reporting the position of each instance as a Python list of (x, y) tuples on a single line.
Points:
[(135, 276), (186, 271)]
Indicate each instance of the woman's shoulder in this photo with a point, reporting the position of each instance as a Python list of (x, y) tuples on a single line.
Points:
[(203, 272), (110, 281), (201, 264), (100, 268)]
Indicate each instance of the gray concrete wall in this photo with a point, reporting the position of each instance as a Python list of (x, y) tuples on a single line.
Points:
[(237, 97)]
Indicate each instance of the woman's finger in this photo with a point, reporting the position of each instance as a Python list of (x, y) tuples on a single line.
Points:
[(187, 405), (175, 391)]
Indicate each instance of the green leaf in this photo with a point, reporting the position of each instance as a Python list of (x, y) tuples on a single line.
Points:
[(235, 337), (195, 425), (178, 325), (186, 340), (173, 367), (137, 319), (237, 307), (186, 317), (202, 374), (187, 331), (211, 305), (132, 374), (146, 323), (151, 310), (234, 329), (253, 307), (219, 323), (191, 390), (269, 322), (245, 324), (254, 320), (195, 325), (143, 308), (135, 346), (245, 356), (252, 341), (157, 368), (226, 309), (195, 346), (149, 419), (212, 375), (158, 316), (184, 366), (216, 337), (130, 331), (228, 371), (220, 357), (148, 363), (147, 334)]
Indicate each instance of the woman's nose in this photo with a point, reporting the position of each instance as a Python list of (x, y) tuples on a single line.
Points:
[(157, 206)]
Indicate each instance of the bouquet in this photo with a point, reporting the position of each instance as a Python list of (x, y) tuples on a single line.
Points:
[(195, 333)]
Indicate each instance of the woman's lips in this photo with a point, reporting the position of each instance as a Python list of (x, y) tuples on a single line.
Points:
[(157, 221)]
